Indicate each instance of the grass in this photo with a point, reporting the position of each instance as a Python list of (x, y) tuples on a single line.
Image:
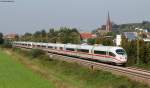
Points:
[(132, 63), (143, 66), (71, 75), (15, 75), (85, 78)]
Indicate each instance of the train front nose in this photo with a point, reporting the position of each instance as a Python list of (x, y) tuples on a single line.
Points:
[(123, 58)]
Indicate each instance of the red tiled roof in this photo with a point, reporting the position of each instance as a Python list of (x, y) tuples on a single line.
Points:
[(11, 36), (87, 35)]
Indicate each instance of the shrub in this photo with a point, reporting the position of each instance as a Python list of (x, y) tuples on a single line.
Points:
[(36, 53), (6, 44), (131, 61), (45, 58), (16, 49)]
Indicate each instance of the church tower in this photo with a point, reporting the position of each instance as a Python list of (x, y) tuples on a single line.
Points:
[(108, 24)]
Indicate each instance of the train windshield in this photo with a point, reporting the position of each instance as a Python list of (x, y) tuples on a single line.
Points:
[(121, 52)]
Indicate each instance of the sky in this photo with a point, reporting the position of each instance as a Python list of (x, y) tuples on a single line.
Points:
[(32, 15)]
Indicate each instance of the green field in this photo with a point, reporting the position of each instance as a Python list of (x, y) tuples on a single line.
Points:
[(15, 75)]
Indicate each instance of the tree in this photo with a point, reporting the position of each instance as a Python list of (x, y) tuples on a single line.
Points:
[(67, 35), (43, 36), (64, 35), (52, 35), (145, 54), (43, 33), (1, 38), (91, 41), (27, 37), (37, 36), (111, 34), (107, 42), (75, 37)]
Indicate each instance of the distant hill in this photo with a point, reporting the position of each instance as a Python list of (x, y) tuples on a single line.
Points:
[(130, 27)]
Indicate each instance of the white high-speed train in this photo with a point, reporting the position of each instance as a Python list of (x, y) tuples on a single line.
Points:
[(109, 54)]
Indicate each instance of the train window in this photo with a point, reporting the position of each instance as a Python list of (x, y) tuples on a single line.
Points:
[(83, 50), (70, 49), (50, 47), (43, 46), (100, 52), (120, 51), (61, 48), (112, 54)]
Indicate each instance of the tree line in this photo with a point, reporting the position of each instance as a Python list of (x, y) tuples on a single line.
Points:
[(134, 46), (71, 35), (1, 38), (64, 35)]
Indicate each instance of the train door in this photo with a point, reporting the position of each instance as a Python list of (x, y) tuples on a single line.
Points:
[(92, 52)]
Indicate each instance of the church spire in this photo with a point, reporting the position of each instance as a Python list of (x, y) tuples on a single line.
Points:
[(108, 24)]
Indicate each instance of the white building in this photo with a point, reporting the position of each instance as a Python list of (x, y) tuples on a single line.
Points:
[(118, 40)]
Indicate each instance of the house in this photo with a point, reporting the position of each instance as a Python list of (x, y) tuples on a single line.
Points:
[(130, 35), (85, 36), (11, 37)]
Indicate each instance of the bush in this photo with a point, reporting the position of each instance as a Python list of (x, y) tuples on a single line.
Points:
[(33, 53), (16, 49), (131, 60), (45, 58), (1, 41), (6, 44), (36, 53)]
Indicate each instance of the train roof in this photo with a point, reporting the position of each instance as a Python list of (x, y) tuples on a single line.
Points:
[(90, 47), (82, 46), (71, 46), (85, 47), (60, 45), (107, 48)]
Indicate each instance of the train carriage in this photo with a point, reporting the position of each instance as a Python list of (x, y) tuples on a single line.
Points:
[(84, 51), (71, 49), (109, 54), (60, 48)]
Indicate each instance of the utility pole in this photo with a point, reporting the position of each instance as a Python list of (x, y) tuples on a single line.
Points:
[(138, 50), (138, 47)]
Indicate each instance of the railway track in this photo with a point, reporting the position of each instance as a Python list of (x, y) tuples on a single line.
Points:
[(137, 74), (135, 68)]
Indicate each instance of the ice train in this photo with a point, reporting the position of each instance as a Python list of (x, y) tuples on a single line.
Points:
[(109, 54)]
